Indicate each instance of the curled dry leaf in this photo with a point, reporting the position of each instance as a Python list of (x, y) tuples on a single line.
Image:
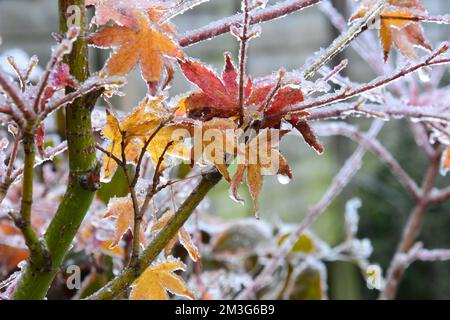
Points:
[(122, 210), (159, 279), (308, 134), (182, 236), (399, 26), (258, 159), (216, 140), (146, 44)]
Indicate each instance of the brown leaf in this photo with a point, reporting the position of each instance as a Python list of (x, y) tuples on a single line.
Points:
[(399, 26), (259, 158)]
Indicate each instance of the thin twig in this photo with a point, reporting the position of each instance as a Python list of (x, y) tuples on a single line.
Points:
[(109, 154), (377, 83), (243, 59), (342, 179), (223, 26), (14, 93), (331, 129), (398, 265)]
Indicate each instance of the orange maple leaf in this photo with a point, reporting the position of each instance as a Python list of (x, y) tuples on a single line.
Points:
[(445, 162), (147, 44), (399, 26)]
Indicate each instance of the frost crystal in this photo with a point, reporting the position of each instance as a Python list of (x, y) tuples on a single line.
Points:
[(352, 216)]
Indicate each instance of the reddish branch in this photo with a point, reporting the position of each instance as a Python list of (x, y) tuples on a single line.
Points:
[(377, 83), (399, 264), (376, 147), (341, 180), (395, 109), (223, 26)]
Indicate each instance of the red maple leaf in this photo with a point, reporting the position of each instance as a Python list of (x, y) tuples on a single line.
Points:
[(219, 95)]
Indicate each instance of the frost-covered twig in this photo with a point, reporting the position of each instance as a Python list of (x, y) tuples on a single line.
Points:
[(91, 85), (223, 26), (375, 84), (243, 39), (433, 255), (394, 110), (341, 180), (411, 231), (49, 155), (360, 44), (340, 43), (372, 144), (440, 196)]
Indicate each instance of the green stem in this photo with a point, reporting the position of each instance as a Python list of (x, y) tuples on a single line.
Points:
[(129, 275), (38, 254), (83, 177)]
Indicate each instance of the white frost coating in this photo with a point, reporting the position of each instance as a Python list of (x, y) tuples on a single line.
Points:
[(362, 249), (3, 146), (181, 7), (236, 19), (352, 216), (339, 44), (22, 60)]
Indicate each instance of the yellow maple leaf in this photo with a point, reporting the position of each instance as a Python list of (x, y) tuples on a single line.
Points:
[(169, 142), (132, 132), (159, 279), (182, 236)]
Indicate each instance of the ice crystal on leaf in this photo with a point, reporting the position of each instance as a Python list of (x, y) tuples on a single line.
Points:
[(399, 26), (159, 279), (122, 210), (147, 44), (183, 237)]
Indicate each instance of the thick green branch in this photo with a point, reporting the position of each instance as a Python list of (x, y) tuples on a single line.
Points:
[(34, 283), (128, 275)]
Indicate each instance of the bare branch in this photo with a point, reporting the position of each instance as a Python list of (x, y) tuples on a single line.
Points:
[(87, 87), (411, 231), (377, 83), (223, 26), (341, 180), (394, 110), (14, 93), (331, 129)]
